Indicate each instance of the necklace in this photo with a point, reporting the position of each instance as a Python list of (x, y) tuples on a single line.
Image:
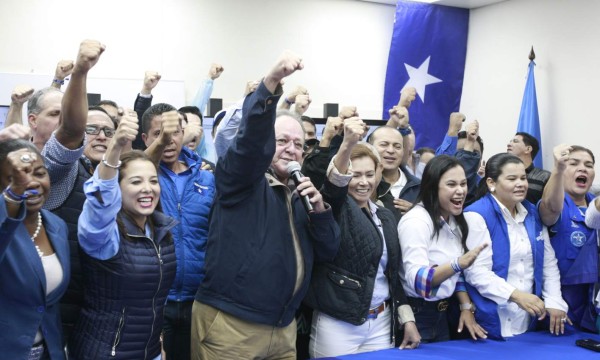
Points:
[(36, 233)]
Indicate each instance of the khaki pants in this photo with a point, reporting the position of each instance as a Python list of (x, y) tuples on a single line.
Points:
[(218, 335)]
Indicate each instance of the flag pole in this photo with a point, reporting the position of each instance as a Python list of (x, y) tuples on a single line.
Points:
[(531, 54)]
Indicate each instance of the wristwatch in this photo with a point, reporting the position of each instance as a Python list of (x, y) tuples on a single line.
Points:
[(468, 306)]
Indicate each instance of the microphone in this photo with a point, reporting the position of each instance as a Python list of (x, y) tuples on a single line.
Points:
[(293, 170)]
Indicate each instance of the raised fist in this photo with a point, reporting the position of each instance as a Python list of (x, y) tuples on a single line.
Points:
[(348, 112), (15, 131), (302, 103), (20, 94), (64, 68), (286, 65), (89, 53), (170, 125), (354, 130), (399, 117), (251, 87), (215, 71), (407, 96), (151, 79), (128, 127), (456, 120)]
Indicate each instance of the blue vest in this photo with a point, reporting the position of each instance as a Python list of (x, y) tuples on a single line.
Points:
[(575, 245), (487, 310), (576, 250)]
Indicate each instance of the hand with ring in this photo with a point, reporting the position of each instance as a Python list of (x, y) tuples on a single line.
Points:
[(558, 319), (26, 158), (21, 164)]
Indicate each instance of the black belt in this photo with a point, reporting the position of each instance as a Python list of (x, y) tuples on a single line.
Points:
[(419, 303)]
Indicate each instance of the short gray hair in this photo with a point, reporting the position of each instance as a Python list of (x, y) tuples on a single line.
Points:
[(35, 103), (293, 115)]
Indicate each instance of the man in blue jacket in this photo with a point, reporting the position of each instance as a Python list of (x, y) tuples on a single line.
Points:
[(187, 193), (262, 242)]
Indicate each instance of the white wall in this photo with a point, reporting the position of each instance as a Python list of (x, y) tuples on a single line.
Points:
[(344, 43), (565, 38)]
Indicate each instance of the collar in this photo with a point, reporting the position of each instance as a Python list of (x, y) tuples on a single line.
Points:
[(521, 211)]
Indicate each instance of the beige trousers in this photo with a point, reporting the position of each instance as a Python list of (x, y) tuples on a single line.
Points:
[(218, 335)]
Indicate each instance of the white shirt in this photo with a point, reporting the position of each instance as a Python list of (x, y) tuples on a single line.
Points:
[(420, 249), (396, 188), (381, 288), (513, 319)]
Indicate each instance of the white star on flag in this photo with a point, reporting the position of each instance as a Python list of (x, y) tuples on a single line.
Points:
[(419, 78)]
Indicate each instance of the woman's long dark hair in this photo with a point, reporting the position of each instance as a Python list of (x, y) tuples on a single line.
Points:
[(493, 169), (429, 194), (126, 159)]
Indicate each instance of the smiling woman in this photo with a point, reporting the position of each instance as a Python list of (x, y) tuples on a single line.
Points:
[(129, 257), (34, 257), (433, 236), (507, 278), (358, 297)]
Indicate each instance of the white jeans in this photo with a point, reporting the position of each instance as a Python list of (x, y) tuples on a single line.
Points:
[(331, 337)]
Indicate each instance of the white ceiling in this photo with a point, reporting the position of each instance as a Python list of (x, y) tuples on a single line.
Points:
[(467, 4)]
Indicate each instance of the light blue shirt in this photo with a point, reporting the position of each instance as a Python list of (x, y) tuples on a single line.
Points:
[(228, 127), (97, 228), (203, 94)]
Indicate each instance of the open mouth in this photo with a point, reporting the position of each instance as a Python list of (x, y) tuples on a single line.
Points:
[(581, 180), (457, 202), (99, 148), (145, 202), (363, 191)]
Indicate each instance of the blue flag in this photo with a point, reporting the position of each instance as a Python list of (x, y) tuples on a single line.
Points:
[(428, 51), (529, 119)]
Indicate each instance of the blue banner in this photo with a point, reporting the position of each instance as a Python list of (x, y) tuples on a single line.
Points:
[(428, 51), (529, 119)]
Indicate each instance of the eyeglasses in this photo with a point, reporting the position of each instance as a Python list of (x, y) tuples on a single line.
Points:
[(95, 130)]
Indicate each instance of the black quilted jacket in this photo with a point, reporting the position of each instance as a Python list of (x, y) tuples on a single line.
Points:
[(343, 288)]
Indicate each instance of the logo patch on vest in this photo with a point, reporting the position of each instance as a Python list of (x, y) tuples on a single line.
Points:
[(578, 238), (199, 187), (540, 237)]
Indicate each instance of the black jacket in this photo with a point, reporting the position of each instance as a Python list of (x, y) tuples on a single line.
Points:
[(343, 288), (408, 193)]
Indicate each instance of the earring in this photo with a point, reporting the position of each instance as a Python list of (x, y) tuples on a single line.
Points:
[(492, 189)]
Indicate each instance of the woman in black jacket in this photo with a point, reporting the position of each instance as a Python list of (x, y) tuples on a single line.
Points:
[(358, 297)]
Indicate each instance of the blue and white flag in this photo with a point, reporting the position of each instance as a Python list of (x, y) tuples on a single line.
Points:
[(529, 119), (428, 51)]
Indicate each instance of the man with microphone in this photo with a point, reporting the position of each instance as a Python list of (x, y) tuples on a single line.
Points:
[(262, 242)]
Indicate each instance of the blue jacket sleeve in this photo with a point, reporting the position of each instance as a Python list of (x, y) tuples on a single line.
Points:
[(8, 226), (97, 227), (448, 146)]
